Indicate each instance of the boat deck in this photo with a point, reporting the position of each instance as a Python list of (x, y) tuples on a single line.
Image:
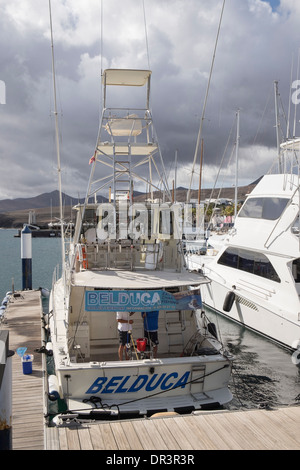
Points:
[(205, 430)]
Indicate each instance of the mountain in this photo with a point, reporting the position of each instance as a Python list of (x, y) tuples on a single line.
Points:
[(14, 212), (37, 202)]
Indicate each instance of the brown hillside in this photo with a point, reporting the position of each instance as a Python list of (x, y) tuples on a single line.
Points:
[(17, 218)]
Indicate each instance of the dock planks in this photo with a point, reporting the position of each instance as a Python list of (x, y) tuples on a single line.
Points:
[(23, 321), (223, 430), (259, 429)]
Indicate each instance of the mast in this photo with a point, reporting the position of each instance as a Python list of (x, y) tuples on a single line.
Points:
[(200, 176), (175, 182), (236, 160), (57, 147), (277, 125)]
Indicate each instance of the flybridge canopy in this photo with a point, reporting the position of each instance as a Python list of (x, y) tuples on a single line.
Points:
[(293, 144), (141, 279), (126, 77)]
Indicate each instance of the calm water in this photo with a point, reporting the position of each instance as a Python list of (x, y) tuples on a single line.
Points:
[(264, 374), (46, 254)]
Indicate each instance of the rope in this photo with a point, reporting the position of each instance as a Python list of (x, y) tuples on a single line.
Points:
[(146, 35), (204, 106)]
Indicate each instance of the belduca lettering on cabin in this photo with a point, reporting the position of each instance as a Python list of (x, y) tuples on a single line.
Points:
[(140, 300), (130, 384), (119, 299)]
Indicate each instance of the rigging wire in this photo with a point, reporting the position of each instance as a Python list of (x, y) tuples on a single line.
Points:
[(205, 103), (263, 115), (146, 34), (220, 167)]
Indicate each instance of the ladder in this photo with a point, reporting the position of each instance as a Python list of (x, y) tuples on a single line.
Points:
[(175, 327), (122, 176)]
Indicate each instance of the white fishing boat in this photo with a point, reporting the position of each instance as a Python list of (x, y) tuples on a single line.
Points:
[(255, 276), (128, 257)]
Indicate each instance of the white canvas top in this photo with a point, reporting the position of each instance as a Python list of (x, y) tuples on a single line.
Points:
[(126, 77), (293, 144), (119, 279), (142, 149)]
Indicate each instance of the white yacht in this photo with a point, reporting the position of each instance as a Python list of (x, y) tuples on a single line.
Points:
[(127, 257), (255, 275)]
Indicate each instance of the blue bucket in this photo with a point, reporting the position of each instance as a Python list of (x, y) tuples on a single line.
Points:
[(27, 364)]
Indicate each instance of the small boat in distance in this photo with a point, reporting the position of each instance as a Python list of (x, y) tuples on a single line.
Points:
[(40, 230), (128, 257)]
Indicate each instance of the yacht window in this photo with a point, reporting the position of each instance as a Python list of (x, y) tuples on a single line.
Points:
[(249, 261), (269, 208), (296, 270), (166, 222)]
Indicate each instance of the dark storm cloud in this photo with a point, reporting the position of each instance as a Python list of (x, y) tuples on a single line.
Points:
[(255, 48)]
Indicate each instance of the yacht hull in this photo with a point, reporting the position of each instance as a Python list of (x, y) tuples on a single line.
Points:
[(249, 311)]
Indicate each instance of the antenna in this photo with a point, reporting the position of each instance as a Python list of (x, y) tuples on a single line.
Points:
[(290, 100)]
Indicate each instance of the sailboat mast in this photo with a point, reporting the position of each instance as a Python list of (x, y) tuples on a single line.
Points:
[(57, 145), (277, 124), (236, 160)]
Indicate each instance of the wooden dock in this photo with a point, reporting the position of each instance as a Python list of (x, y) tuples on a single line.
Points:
[(23, 321), (222, 430), (276, 429)]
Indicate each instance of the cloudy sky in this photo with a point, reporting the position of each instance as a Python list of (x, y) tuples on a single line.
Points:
[(259, 40)]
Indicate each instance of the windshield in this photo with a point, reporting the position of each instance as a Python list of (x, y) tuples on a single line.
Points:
[(268, 208)]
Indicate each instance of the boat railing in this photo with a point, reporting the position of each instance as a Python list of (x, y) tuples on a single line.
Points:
[(55, 277), (127, 255), (56, 274), (128, 124)]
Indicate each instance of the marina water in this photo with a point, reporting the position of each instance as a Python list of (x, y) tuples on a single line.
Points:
[(264, 374)]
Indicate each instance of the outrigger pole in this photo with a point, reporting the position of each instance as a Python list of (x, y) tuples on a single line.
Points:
[(57, 149)]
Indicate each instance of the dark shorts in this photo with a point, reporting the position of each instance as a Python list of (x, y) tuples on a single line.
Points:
[(124, 337), (151, 336)]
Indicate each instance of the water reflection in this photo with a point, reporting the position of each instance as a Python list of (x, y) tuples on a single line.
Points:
[(264, 374)]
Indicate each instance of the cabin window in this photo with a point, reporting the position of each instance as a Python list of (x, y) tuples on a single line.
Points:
[(268, 208), (249, 261), (166, 222), (296, 269)]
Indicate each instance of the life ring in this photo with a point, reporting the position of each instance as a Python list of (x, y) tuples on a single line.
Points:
[(84, 257)]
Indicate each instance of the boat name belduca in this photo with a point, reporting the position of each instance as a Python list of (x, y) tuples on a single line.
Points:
[(117, 384)]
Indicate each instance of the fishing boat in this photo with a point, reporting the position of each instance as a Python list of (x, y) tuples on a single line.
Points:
[(127, 257)]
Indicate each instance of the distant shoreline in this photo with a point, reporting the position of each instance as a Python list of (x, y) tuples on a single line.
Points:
[(16, 218)]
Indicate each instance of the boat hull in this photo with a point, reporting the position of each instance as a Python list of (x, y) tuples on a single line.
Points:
[(253, 314), (146, 386)]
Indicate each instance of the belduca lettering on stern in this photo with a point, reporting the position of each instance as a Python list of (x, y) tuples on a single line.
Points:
[(130, 384)]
